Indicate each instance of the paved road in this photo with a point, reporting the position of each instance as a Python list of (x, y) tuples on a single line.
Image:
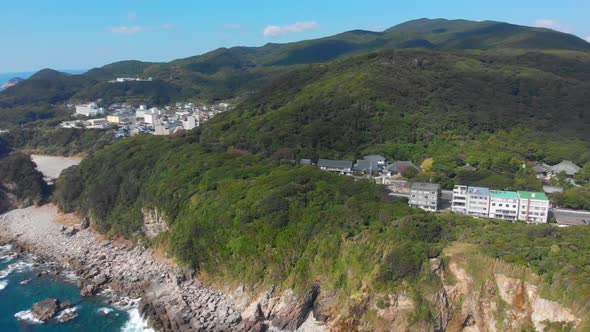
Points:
[(571, 217)]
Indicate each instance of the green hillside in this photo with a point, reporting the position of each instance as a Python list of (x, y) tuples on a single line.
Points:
[(408, 97), (238, 71)]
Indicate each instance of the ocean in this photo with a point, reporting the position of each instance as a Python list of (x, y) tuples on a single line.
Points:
[(16, 300)]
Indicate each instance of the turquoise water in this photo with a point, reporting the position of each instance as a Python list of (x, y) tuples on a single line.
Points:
[(17, 299)]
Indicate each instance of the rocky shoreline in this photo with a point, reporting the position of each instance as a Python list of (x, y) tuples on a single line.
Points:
[(171, 300)]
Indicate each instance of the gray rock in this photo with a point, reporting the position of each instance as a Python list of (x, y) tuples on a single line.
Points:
[(46, 309)]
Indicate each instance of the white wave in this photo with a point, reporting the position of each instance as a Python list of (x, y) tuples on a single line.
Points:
[(5, 248), (136, 323), (28, 316), (67, 312), (15, 267), (104, 311), (3, 284)]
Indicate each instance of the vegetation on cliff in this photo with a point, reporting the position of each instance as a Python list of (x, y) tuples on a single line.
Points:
[(241, 218), (21, 184)]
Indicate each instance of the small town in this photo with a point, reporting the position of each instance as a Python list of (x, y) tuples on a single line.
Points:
[(478, 202), (130, 120)]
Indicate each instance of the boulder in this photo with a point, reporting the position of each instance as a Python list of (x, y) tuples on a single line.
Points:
[(88, 290), (46, 309)]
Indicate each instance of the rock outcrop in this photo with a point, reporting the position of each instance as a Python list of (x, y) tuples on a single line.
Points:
[(154, 223), (48, 309)]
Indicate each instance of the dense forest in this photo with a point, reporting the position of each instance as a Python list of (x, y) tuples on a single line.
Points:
[(239, 217)]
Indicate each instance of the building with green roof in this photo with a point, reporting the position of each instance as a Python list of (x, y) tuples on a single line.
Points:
[(533, 207), (504, 205)]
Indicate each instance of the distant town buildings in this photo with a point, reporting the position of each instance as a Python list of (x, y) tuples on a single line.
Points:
[(130, 79), (130, 120), (425, 196)]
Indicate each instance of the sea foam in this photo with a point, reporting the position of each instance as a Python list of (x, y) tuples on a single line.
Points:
[(3, 284), (136, 323), (27, 315)]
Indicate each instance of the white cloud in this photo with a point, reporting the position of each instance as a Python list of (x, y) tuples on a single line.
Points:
[(232, 26), (280, 30), (132, 30), (552, 24)]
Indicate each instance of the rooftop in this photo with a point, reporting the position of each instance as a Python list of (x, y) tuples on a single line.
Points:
[(425, 186), (479, 191), (344, 164), (367, 165), (504, 194), (532, 195), (566, 166)]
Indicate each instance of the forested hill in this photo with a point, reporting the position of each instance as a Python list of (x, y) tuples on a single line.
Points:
[(410, 96), (227, 73)]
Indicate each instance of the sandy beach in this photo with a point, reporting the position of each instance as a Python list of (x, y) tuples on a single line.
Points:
[(52, 166)]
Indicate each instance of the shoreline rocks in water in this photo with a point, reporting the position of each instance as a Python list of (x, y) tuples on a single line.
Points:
[(171, 301), (48, 309)]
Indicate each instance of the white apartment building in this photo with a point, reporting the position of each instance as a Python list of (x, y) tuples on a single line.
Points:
[(504, 205), (460, 199), (89, 110), (534, 207), (478, 202), (189, 122)]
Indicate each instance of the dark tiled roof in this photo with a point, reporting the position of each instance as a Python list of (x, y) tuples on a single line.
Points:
[(400, 166), (366, 166), (305, 162), (341, 164)]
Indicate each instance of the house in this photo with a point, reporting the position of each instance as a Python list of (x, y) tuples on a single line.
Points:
[(425, 196), (478, 202), (376, 159), (366, 167), (305, 162), (399, 167), (459, 199), (343, 167), (534, 207), (566, 166), (89, 110), (504, 205)]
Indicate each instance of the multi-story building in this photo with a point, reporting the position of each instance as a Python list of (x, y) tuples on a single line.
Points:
[(534, 207), (460, 199), (504, 205), (89, 110), (424, 196), (478, 202)]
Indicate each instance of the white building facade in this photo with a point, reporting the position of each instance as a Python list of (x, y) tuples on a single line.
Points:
[(478, 202), (504, 205), (460, 199)]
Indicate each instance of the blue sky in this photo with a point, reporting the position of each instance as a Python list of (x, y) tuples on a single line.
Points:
[(77, 34)]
